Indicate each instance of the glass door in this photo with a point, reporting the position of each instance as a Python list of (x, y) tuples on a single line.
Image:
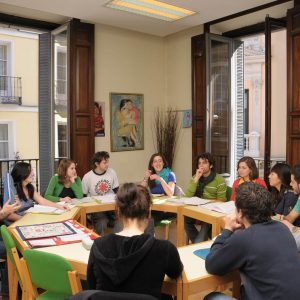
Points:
[(225, 98), (60, 111)]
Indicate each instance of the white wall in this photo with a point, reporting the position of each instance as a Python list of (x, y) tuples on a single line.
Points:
[(159, 68), (129, 62), (179, 95)]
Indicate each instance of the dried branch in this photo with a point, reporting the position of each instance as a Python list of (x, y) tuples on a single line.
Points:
[(166, 132)]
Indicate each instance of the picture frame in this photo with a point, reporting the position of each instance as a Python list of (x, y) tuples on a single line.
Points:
[(126, 121)]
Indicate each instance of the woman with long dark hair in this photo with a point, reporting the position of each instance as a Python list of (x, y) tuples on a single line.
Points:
[(159, 177), (284, 197), (22, 176)]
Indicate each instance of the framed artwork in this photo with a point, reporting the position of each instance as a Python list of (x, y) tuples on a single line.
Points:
[(127, 121), (187, 118), (99, 109)]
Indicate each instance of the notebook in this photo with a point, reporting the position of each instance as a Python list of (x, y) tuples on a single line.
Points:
[(9, 189), (202, 252)]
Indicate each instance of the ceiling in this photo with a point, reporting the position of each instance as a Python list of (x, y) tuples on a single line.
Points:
[(93, 11)]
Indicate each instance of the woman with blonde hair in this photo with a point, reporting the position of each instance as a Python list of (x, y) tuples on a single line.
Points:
[(66, 185)]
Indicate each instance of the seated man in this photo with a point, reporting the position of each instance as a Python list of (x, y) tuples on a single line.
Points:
[(207, 184), (262, 250)]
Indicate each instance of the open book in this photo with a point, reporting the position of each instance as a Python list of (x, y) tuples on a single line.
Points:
[(222, 207)]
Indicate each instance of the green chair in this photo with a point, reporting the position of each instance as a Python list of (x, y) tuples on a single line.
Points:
[(15, 274), (228, 193), (49, 272)]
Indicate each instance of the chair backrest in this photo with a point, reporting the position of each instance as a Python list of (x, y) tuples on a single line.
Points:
[(49, 271), (11, 250), (178, 191), (228, 192), (107, 295)]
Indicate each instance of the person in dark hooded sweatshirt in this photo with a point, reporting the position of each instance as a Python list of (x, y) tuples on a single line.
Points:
[(132, 261)]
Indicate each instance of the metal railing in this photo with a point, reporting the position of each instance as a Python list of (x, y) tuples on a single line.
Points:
[(10, 90)]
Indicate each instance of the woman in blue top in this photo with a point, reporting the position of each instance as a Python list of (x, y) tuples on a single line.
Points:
[(284, 197), (159, 178), (22, 175)]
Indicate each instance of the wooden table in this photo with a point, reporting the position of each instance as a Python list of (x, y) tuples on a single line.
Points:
[(175, 208), (94, 207), (195, 278), (203, 214)]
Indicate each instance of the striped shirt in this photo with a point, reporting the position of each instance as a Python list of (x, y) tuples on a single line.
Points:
[(216, 189)]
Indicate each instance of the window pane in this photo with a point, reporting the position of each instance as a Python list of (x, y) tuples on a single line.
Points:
[(3, 150), (4, 132)]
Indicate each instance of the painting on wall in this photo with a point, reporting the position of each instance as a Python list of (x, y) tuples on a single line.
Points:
[(187, 118), (99, 110), (127, 121)]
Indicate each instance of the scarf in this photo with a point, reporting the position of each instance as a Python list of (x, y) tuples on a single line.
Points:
[(203, 181), (164, 174)]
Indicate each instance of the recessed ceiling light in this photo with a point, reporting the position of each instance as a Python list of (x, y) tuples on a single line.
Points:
[(151, 8)]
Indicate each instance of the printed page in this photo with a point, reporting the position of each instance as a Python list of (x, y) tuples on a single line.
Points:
[(45, 209), (222, 207)]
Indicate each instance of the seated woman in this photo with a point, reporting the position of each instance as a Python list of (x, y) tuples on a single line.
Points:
[(284, 197), (248, 171), (22, 175), (161, 180), (66, 185), (132, 261)]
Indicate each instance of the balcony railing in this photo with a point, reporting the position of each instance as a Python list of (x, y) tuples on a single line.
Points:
[(10, 90)]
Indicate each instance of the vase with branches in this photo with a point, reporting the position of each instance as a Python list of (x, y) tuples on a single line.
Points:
[(166, 129)]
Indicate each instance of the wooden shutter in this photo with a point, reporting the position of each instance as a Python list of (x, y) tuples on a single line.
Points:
[(198, 96), (45, 117), (293, 86), (82, 141)]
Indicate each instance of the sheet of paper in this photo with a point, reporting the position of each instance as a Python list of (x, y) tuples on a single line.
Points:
[(42, 242), (192, 201), (222, 207), (45, 209), (72, 237), (108, 198)]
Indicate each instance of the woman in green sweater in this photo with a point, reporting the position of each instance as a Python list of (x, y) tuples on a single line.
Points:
[(66, 185)]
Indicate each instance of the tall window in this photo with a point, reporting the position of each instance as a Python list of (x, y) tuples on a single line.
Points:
[(61, 75), (4, 143), (62, 140), (3, 68)]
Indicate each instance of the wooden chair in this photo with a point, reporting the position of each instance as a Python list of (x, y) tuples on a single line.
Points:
[(49, 272), (15, 274)]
